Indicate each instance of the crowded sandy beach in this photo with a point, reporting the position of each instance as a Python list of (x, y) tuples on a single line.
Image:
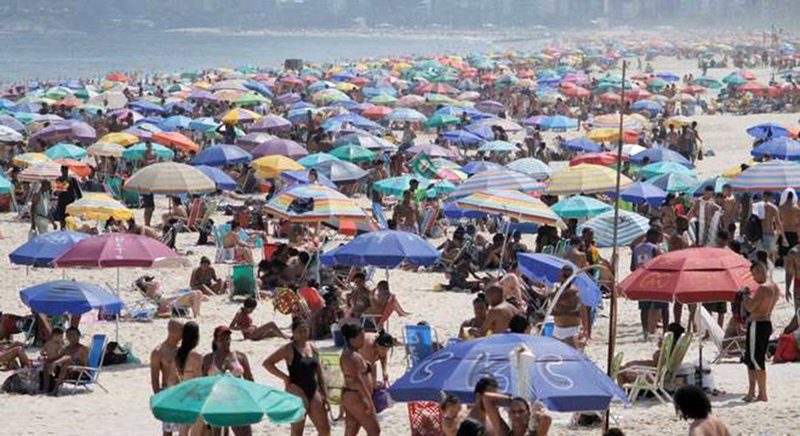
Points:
[(409, 245)]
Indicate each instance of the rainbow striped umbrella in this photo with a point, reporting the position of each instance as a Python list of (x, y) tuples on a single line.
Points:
[(775, 175), (314, 203), (95, 206), (531, 167), (496, 179), (585, 179), (239, 115), (170, 178), (513, 204)]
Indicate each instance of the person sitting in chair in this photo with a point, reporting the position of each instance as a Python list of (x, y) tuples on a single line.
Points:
[(152, 289), (241, 250), (73, 354)]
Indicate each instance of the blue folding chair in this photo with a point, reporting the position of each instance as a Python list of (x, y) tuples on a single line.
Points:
[(420, 343), (86, 376)]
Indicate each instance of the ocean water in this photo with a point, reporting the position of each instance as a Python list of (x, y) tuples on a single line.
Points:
[(71, 55)]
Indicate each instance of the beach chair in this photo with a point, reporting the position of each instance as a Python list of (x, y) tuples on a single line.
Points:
[(222, 255), (209, 207), (194, 213), (425, 418), (419, 342), (616, 365), (377, 321), (676, 360), (175, 309), (334, 378), (649, 378), (561, 247), (548, 249), (244, 282), (730, 348), (86, 376)]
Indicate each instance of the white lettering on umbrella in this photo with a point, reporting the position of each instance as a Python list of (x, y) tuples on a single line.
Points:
[(548, 370), (118, 240), (425, 372)]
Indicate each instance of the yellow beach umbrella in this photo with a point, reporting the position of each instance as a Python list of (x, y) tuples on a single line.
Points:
[(346, 86), (585, 179), (270, 167), (96, 206), (201, 85), (27, 159), (678, 121), (238, 115), (603, 135), (121, 138)]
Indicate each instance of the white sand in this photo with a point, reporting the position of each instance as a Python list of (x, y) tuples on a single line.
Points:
[(125, 409)]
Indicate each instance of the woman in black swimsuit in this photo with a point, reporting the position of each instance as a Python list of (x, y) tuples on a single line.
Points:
[(305, 378), (357, 391)]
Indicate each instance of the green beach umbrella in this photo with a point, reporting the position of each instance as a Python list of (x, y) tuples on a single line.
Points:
[(708, 82), (225, 401), (353, 153), (734, 79), (656, 169), (251, 99), (675, 182), (136, 152), (441, 121), (397, 185), (63, 150), (383, 100), (579, 206), (314, 159)]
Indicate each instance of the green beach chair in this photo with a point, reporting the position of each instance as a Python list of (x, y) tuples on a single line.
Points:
[(244, 281), (676, 360), (649, 378)]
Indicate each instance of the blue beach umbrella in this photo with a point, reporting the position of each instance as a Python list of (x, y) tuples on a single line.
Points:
[(43, 249), (643, 192), (136, 152), (477, 166), (461, 137), (175, 122), (660, 154), (584, 145), (717, 182), (675, 182), (767, 130), (301, 177), (558, 122), (452, 211), (316, 158), (67, 296), (223, 181), (546, 268), (560, 376), (498, 146), (63, 150), (778, 148), (222, 154), (531, 167), (578, 206), (383, 249)]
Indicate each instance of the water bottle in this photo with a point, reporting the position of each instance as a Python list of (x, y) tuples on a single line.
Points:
[(549, 325)]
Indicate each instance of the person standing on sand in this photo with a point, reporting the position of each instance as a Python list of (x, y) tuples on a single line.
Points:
[(759, 328), (771, 228), (162, 364), (791, 263), (692, 403)]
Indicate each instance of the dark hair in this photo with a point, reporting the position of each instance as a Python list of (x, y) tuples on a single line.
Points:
[(518, 324), (677, 330), (523, 401), (614, 431), (384, 339), (652, 235), (57, 331), (74, 329), (691, 402), (471, 427), (250, 303), (189, 340), (351, 331), (480, 298), (297, 322), (485, 383), (448, 400)]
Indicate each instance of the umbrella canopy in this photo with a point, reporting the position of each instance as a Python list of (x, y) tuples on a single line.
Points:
[(675, 182), (477, 166), (40, 172), (497, 179), (581, 145), (397, 185), (314, 203), (44, 248), (630, 226), (137, 152), (716, 182), (96, 206), (270, 122), (170, 178), (221, 155), (282, 147), (513, 204), (121, 138), (498, 146), (7, 134), (659, 154), (316, 158), (225, 401), (353, 153), (5, 185), (560, 376), (656, 169), (115, 250), (368, 141), (433, 150), (546, 268), (67, 296), (692, 275), (223, 181), (643, 192), (302, 177), (239, 115), (774, 175), (107, 149), (778, 148), (176, 140), (383, 249), (341, 171), (768, 130), (586, 179), (64, 150), (603, 158), (270, 167), (27, 159), (557, 122), (531, 167), (579, 206)]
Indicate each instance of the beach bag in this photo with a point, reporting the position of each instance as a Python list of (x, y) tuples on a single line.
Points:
[(380, 398), (787, 349), (115, 354), (24, 381)]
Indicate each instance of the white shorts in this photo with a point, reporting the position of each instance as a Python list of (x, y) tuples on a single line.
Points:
[(170, 427), (562, 333)]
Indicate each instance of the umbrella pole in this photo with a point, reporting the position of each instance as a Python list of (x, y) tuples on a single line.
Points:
[(612, 316)]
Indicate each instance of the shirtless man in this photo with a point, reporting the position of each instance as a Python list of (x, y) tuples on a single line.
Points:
[(730, 209), (499, 314), (73, 354), (240, 248), (575, 254), (406, 214), (678, 241), (771, 228), (792, 265), (759, 329), (144, 230), (567, 310), (486, 392), (790, 218), (162, 362), (705, 209)]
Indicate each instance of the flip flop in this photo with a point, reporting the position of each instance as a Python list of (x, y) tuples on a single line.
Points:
[(749, 399)]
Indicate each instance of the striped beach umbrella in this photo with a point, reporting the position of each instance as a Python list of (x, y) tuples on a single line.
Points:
[(778, 148), (314, 203), (531, 167), (675, 182), (28, 159), (513, 204), (170, 178), (270, 167), (41, 171), (630, 226), (579, 206), (586, 179), (96, 206), (239, 115), (775, 175), (497, 180)]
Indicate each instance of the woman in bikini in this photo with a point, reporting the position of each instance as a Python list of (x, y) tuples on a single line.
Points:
[(223, 360), (376, 349), (188, 364), (304, 378), (244, 322), (357, 392)]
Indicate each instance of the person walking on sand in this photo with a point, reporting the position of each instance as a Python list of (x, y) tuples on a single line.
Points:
[(162, 364), (759, 328)]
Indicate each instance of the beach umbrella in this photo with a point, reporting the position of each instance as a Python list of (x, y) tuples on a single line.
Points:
[(302, 178), (101, 207), (175, 122), (778, 148), (239, 115), (707, 82), (397, 185), (383, 249), (603, 158), (548, 370), (607, 134), (225, 401), (643, 192), (453, 211), (675, 182), (28, 159), (498, 146), (775, 175), (280, 146), (546, 268), (531, 167), (647, 105), (353, 153), (120, 250), (52, 134), (147, 107), (316, 158), (222, 154), (137, 151), (581, 145), (64, 150), (461, 137), (630, 226), (579, 206), (68, 296), (691, 275), (377, 111), (7, 134), (502, 179), (716, 182), (170, 178), (503, 123), (368, 141), (270, 122), (223, 181), (40, 172), (631, 149), (252, 140), (432, 150), (558, 122), (176, 140), (121, 138), (513, 204), (44, 248), (404, 114), (585, 179), (656, 169), (768, 130), (659, 154), (313, 204), (6, 187), (339, 171), (270, 167), (477, 166)]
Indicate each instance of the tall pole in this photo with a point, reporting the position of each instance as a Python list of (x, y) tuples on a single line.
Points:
[(612, 316)]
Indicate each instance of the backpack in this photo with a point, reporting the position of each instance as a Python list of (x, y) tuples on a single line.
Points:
[(787, 349), (115, 354), (752, 228)]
